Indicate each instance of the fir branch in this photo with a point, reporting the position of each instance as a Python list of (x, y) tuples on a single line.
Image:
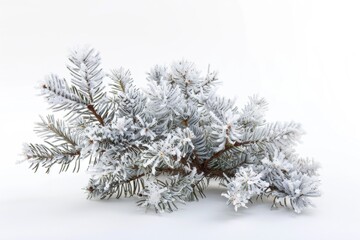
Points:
[(40, 154), (164, 144), (121, 78), (109, 185), (57, 130), (87, 75), (226, 149), (62, 97)]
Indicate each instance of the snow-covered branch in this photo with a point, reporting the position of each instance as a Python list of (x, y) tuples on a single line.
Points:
[(165, 143)]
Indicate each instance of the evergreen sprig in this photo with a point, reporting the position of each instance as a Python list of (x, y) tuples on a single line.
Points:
[(165, 143)]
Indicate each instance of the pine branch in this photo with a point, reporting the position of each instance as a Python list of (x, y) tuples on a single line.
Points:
[(57, 130), (62, 97), (166, 142), (39, 154), (121, 78), (226, 149), (87, 75)]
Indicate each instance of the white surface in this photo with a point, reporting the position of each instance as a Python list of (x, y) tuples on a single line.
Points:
[(302, 56)]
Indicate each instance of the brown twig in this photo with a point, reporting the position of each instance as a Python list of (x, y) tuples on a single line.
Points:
[(93, 111)]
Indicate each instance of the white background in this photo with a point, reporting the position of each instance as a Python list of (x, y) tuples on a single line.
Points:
[(302, 56)]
